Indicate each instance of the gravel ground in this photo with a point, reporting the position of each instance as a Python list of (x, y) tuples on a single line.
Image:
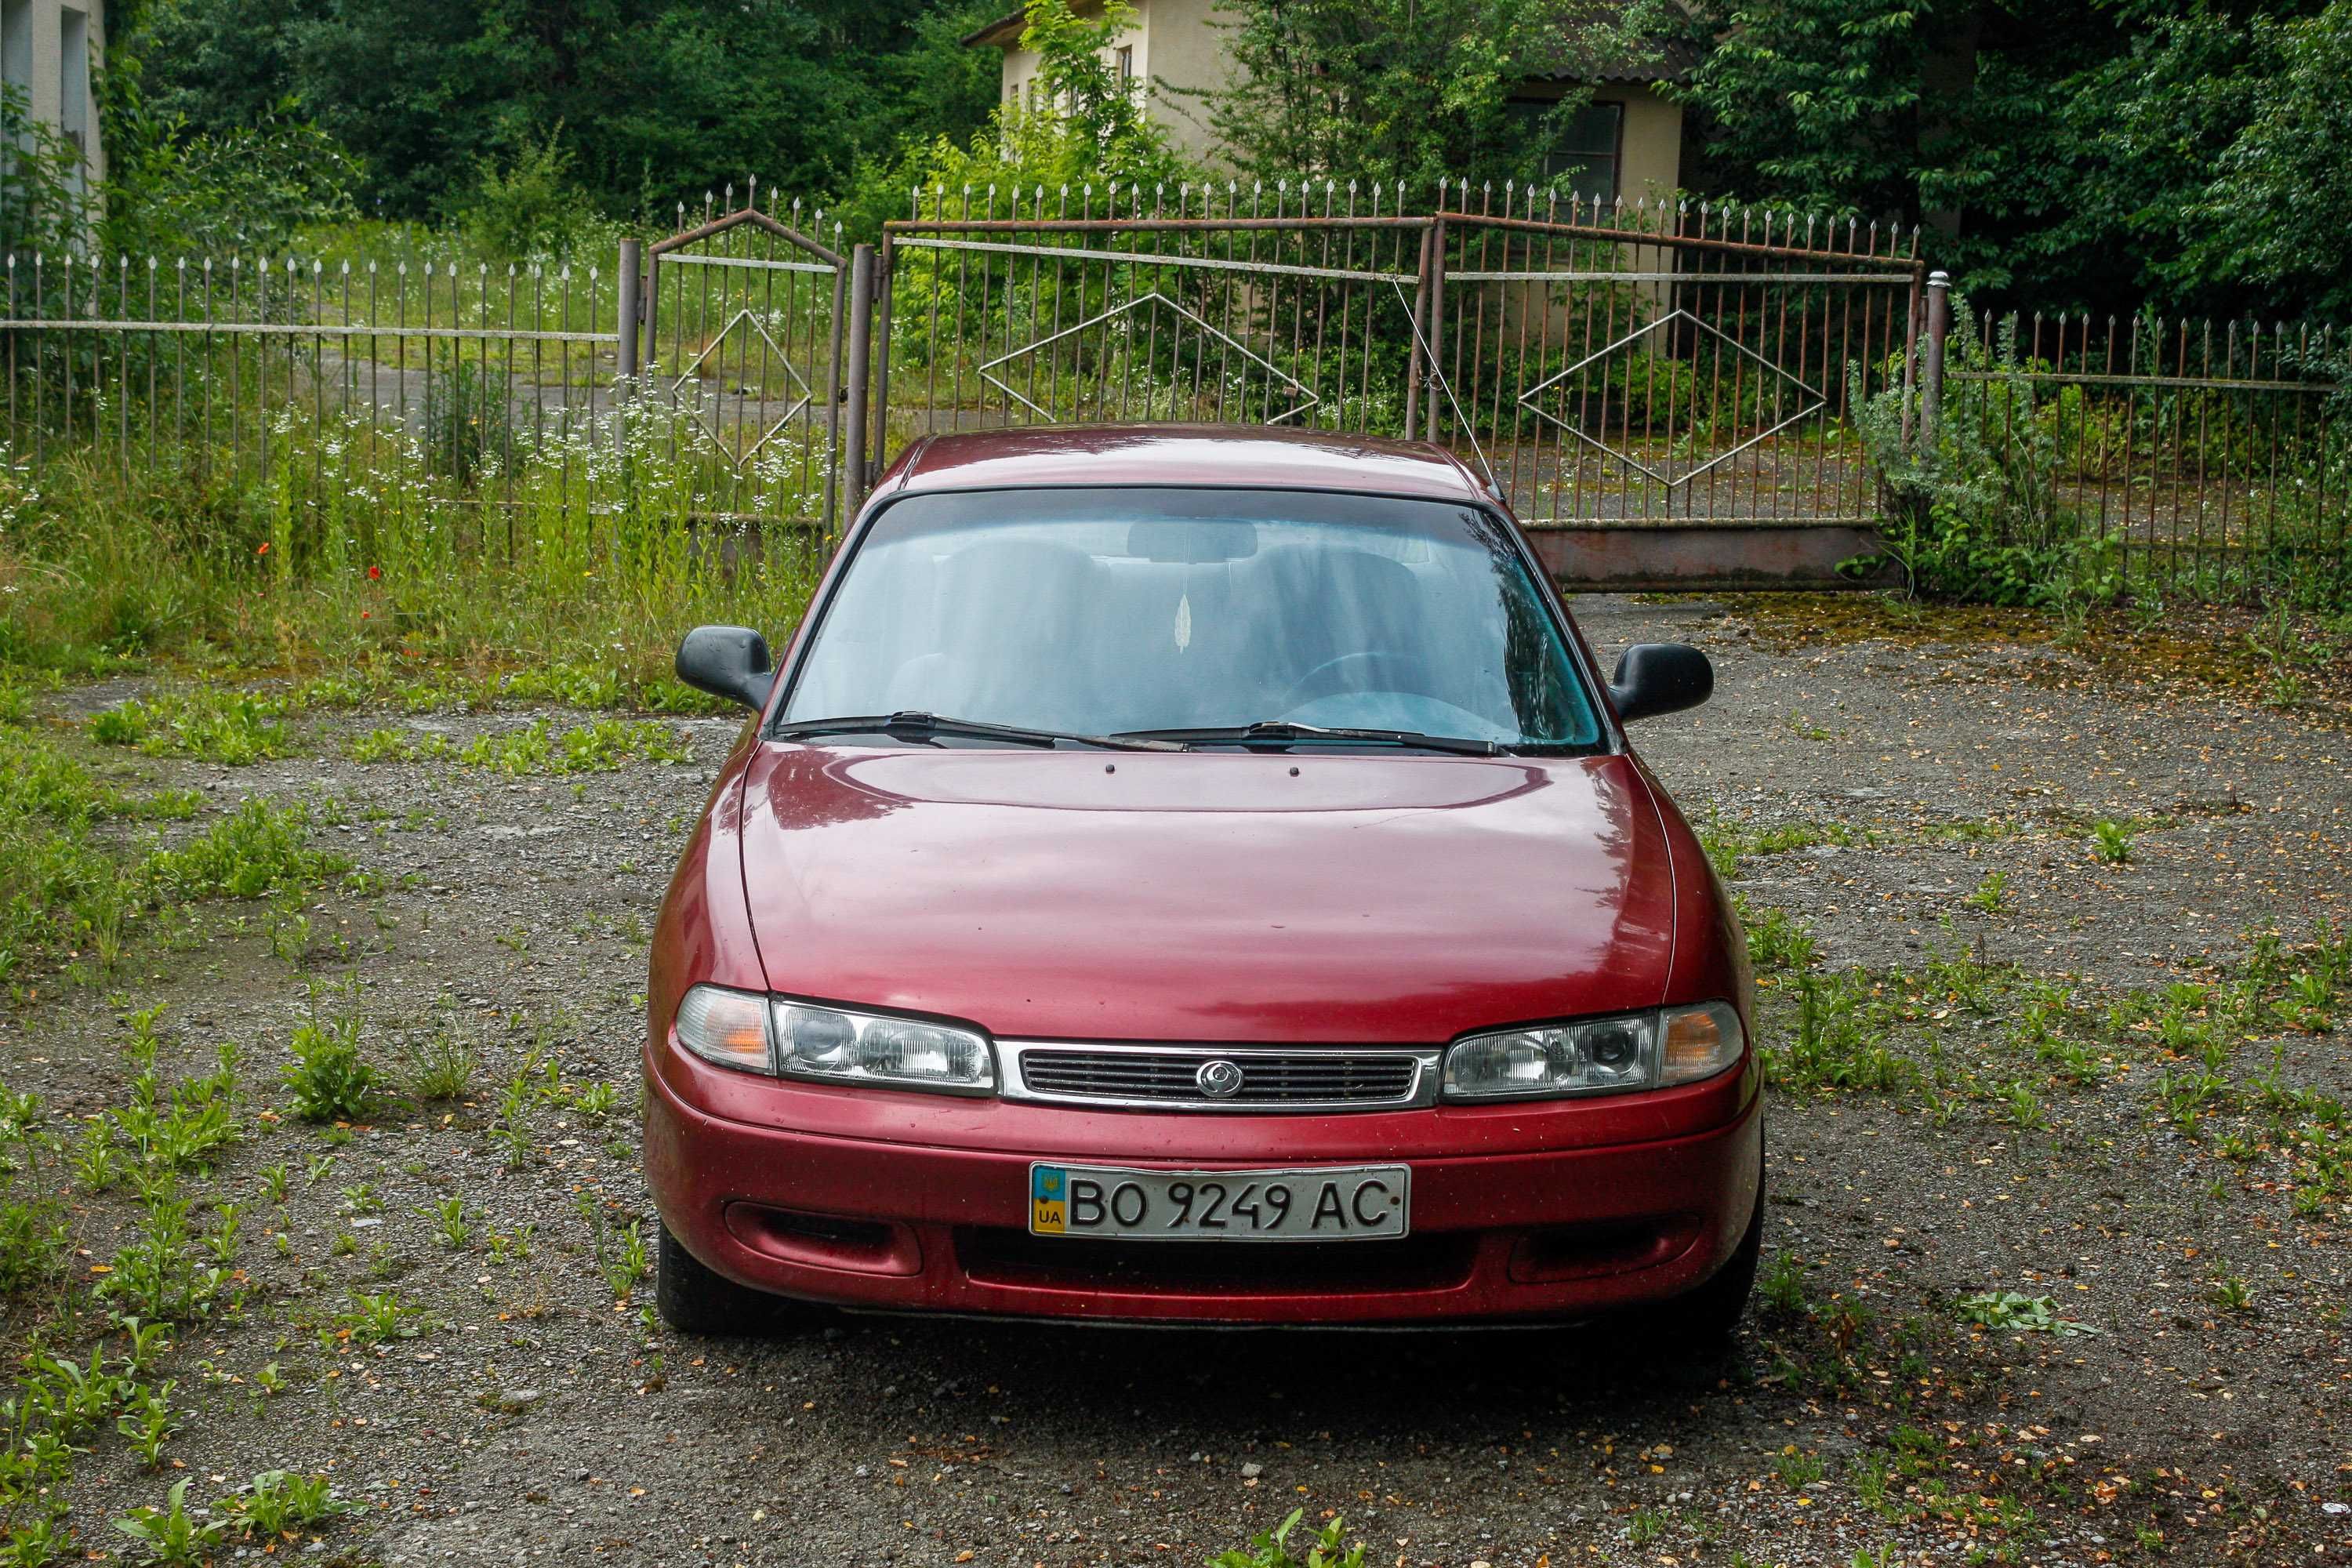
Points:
[(533, 1419)]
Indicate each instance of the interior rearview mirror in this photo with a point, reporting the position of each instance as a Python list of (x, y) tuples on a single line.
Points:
[(727, 661), (1660, 677)]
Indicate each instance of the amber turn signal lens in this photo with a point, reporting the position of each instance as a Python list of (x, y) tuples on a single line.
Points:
[(728, 1028), (1701, 1042)]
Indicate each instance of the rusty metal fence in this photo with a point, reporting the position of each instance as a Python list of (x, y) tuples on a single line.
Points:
[(365, 382), (1680, 394), (2186, 455), (366, 395)]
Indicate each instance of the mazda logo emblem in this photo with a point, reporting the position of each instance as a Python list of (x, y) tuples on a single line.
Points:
[(1219, 1080)]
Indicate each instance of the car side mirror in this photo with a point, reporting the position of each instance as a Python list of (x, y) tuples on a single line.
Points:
[(1660, 677), (727, 661)]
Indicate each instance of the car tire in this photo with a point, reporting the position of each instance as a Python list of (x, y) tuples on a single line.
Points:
[(693, 1299), (1704, 1318)]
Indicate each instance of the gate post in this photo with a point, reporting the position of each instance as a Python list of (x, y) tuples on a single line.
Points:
[(1436, 317), (1931, 377), (861, 346), (1412, 347), (624, 338)]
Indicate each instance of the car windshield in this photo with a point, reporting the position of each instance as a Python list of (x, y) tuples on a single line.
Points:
[(1101, 612)]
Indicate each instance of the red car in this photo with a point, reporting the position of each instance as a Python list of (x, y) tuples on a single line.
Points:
[(1197, 874)]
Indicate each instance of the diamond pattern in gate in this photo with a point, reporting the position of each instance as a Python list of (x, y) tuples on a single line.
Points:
[(1307, 398), (740, 440), (1810, 402)]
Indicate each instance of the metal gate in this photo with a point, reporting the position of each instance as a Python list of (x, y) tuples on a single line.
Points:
[(738, 363), (1662, 395)]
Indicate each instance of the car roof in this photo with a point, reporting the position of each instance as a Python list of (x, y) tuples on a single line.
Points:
[(1233, 456)]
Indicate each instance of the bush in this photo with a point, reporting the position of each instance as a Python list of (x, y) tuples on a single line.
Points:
[(529, 206), (1977, 515)]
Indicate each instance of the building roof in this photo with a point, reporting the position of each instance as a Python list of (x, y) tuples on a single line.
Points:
[(1004, 32), (1244, 456)]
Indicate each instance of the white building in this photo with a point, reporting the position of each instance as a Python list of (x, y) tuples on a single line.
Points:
[(50, 53), (1626, 142)]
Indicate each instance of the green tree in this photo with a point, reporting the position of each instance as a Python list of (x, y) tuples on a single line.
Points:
[(2274, 213), (1416, 90), (659, 100), (1087, 127)]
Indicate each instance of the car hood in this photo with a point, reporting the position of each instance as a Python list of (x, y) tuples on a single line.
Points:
[(1208, 896)]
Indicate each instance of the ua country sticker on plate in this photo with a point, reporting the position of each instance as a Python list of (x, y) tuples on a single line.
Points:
[(1048, 1200)]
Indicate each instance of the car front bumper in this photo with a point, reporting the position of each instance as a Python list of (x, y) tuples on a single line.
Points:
[(907, 1202)]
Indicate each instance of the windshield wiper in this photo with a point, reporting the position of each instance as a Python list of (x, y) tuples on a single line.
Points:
[(1282, 732), (914, 724)]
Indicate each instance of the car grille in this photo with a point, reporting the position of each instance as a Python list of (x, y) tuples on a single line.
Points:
[(1269, 1080)]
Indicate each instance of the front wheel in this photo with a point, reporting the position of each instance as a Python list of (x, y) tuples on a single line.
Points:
[(693, 1299)]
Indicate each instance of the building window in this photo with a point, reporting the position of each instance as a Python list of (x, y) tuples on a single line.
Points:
[(1592, 147), (17, 48), (1126, 64)]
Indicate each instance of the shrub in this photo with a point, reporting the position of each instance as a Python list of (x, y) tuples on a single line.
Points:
[(1977, 514)]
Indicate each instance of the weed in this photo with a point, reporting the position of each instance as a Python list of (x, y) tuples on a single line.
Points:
[(2230, 1293), (1837, 1043), (158, 1273), (442, 1068), (2020, 1314), (329, 1081), (626, 1263), (375, 1318), (148, 1423), (598, 747), (2111, 841), (1797, 1468), (273, 1183), (1646, 1526), (511, 1246), (256, 850), (363, 1199), (1271, 1549), (450, 1223), (596, 1100), (2019, 1107), (233, 728), (395, 746), (1776, 939), (1992, 892), (277, 1502), (170, 1536), (270, 1380), (1783, 1285), (96, 1168), (33, 1241)]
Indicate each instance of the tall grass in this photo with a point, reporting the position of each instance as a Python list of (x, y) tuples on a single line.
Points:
[(351, 553)]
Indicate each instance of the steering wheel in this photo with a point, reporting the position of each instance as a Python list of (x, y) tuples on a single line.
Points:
[(1331, 676)]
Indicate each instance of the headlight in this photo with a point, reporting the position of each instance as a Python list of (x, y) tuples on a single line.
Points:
[(1598, 1055), (831, 1045)]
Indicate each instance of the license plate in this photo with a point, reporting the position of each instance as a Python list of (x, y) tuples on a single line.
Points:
[(1331, 1202)]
